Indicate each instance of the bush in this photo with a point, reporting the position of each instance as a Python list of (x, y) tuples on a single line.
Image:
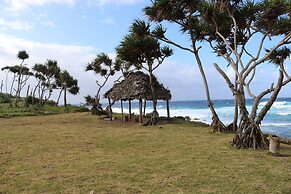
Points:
[(32, 100), (5, 98)]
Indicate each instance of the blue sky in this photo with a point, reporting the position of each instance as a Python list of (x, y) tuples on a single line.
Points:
[(74, 31)]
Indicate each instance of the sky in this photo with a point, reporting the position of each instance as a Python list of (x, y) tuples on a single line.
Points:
[(73, 32)]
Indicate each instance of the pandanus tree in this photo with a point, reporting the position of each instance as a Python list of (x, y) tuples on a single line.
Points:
[(237, 30), (46, 74), (143, 51), (184, 14), (21, 74), (65, 82), (124, 67), (105, 67)]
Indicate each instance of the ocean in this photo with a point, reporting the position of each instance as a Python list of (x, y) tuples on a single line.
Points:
[(277, 121)]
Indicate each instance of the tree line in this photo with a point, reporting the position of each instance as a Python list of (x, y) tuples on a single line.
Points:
[(49, 77)]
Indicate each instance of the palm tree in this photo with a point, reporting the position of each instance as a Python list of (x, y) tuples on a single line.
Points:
[(144, 52)]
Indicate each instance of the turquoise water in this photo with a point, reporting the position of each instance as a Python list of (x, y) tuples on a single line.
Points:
[(277, 121)]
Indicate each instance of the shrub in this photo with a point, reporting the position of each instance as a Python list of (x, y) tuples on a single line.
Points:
[(5, 98)]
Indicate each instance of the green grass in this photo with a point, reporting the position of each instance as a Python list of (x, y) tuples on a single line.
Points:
[(7, 111), (77, 153)]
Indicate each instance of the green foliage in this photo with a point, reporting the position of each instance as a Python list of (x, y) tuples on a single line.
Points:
[(201, 19), (65, 80), (5, 98), (34, 101), (279, 56), (140, 49), (6, 111), (89, 100), (22, 55), (18, 70), (103, 65)]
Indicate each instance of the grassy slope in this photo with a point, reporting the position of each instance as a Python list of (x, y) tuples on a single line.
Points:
[(6, 111), (77, 153)]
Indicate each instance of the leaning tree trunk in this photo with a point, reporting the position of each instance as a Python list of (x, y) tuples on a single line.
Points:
[(59, 97), (216, 125)]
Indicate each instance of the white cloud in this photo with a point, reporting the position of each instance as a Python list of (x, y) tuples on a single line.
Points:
[(102, 3), (22, 5), (50, 24), (70, 57), (109, 21), (15, 25)]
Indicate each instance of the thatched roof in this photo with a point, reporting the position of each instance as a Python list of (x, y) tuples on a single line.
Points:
[(137, 84)]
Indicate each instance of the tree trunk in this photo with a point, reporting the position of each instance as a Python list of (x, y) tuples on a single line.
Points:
[(140, 109), (17, 97), (58, 100), (121, 104), (6, 84), (144, 107), (168, 109), (235, 116), (216, 125), (12, 84), (129, 108), (26, 98), (250, 136), (65, 96), (2, 86), (110, 109), (154, 116)]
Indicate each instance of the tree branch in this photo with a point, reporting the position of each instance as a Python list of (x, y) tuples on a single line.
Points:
[(222, 73), (249, 69)]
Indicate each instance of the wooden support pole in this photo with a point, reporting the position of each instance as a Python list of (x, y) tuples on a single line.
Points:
[(129, 108), (110, 109), (140, 109), (168, 109), (144, 107), (121, 103)]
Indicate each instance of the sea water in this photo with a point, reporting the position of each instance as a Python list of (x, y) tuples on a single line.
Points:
[(277, 121)]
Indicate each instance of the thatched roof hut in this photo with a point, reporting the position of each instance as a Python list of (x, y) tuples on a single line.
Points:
[(136, 85)]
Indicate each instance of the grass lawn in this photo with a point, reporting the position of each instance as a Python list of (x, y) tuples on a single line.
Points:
[(78, 153)]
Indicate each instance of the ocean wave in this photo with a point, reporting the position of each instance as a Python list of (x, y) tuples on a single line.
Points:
[(276, 124), (279, 103), (284, 113)]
